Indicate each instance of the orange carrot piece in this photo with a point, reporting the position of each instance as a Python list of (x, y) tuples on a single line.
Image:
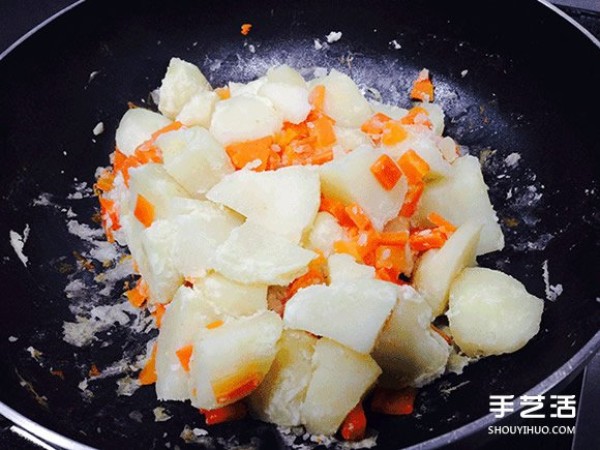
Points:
[(393, 237), (139, 294), (336, 209), (223, 92), (386, 172), (411, 201), (348, 247), (390, 275), (235, 388), (355, 424), (446, 337), (422, 88), (393, 133), (144, 211), (317, 97), (321, 157), (173, 126), (243, 153), (393, 402), (215, 324), (417, 115), (228, 413), (316, 275), (108, 211), (391, 257), (105, 181), (94, 371), (441, 222), (427, 239), (413, 166), (245, 29), (374, 126), (158, 313), (148, 373), (185, 354), (356, 214), (323, 132)]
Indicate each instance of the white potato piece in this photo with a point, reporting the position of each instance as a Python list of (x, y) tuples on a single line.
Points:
[(350, 180), (343, 100), (230, 361), (492, 313), (283, 201), (343, 268), (198, 233), (340, 310), (350, 138), (181, 82), (199, 109), (158, 268), (407, 350), (244, 118), (448, 149), (251, 88), (285, 74), (340, 379), (154, 183), (184, 316), (437, 268), (325, 231), (136, 127), (393, 111), (436, 116), (289, 100), (231, 298), (461, 197), (194, 158), (253, 254), (280, 396)]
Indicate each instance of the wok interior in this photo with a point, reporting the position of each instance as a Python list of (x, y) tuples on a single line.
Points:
[(516, 97)]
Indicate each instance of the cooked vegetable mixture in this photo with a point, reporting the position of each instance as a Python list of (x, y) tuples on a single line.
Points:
[(295, 243)]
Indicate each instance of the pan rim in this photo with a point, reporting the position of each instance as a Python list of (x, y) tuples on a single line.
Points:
[(567, 371)]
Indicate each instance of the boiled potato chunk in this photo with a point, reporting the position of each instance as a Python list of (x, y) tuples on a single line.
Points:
[(180, 83), (198, 231), (158, 268), (350, 138), (230, 361), (244, 118), (194, 158), (247, 89), (437, 268), (350, 180), (343, 267), (461, 197), (407, 350), (283, 201), (285, 74), (280, 396), (253, 254), (325, 231), (231, 298), (343, 100), (199, 109), (154, 183), (136, 127), (392, 111), (351, 313), (184, 316), (436, 116), (492, 313), (289, 100), (340, 379)]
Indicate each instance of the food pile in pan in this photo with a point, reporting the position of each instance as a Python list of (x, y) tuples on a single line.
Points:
[(305, 252)]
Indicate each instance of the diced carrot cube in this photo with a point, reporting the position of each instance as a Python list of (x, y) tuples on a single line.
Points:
[(355, 424), (386, 172), (228, 413), (251, 152), (144, 211), (185, 354), (148, 373), (413, 166), (393, 133), (317, 97), (358, 216), (393, 402), (411, 201)]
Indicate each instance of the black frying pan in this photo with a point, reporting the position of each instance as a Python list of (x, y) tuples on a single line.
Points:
[(531, 88)]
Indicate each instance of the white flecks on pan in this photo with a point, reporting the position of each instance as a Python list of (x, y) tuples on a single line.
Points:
[(17, 241)]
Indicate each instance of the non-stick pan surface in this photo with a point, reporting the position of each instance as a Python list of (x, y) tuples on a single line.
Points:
[(529, 87)]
